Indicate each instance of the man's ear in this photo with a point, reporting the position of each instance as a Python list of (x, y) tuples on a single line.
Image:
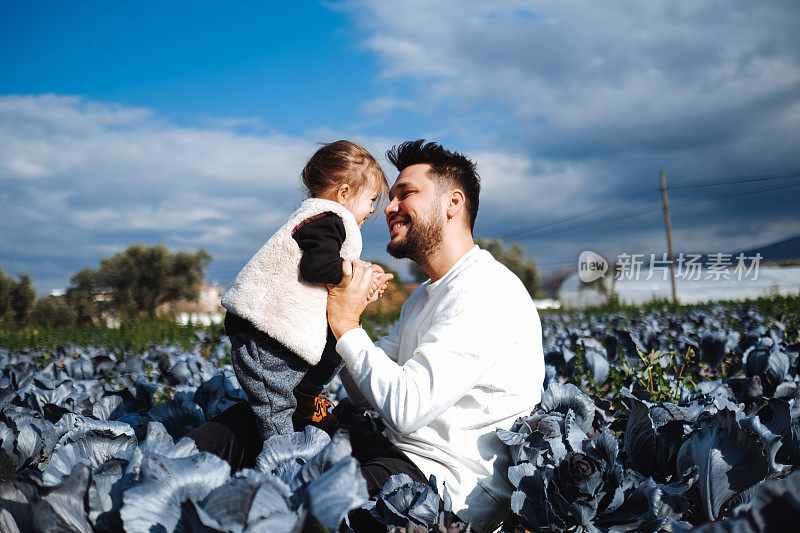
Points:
[(455, 203)]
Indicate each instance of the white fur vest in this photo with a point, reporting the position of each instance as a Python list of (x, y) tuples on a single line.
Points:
[(271, 294)]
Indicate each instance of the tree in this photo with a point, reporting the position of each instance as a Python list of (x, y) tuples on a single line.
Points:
[(6, 284), (514, 259), (83, 297), (140, 279), (23, 296), (54, 312), (16, 299)]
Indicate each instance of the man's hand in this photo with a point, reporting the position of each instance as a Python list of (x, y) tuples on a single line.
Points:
[(347, 300)]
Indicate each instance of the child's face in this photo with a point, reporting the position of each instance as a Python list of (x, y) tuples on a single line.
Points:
[(362, 205)]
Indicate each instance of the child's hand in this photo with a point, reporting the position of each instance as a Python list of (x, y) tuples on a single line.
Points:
[(379, 275), (378, 284)]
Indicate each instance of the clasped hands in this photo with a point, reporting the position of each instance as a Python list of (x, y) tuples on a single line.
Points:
[(362, 283)]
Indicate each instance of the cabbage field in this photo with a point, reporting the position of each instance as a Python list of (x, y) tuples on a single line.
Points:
[(656, 419)]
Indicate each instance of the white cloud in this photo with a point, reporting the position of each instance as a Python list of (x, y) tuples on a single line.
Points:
[(110, 176), (385, 104), (80, 178)]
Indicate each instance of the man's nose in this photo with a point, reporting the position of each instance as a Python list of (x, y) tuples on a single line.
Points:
[(391, 207)]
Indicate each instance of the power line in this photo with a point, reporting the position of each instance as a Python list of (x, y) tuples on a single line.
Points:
[(693, 202), (705, 200), (749, 179), (623, 217), (606, 221), (572, 218)]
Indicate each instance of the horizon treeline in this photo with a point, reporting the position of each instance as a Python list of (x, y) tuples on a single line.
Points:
[(131, 284), (134, 283)]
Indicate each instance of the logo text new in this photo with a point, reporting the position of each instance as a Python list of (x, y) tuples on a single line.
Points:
[(592, 265)]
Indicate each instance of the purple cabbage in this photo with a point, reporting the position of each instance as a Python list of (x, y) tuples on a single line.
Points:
[(731, 456)]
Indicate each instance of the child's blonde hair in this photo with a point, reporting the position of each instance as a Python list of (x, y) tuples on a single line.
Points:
[(343, 162)]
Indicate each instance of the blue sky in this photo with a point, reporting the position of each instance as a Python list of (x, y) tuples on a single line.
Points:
[(186, 60), (187, 123)]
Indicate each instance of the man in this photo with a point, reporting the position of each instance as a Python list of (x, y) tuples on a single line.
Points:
[(464, 358)]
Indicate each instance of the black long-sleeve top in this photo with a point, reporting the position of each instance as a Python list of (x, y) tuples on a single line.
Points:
[(320, 239)]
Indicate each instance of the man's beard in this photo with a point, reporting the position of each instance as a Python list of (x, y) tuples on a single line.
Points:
[(422, 239)]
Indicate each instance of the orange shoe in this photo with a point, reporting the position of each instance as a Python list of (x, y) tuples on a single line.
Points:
[(314, 410)]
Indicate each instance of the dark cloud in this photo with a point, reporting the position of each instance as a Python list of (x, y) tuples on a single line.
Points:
[(588, 100)]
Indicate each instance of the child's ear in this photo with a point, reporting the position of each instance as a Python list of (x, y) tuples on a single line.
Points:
[(343, 193)]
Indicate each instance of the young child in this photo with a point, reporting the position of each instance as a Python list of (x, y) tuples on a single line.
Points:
[(282, 350)]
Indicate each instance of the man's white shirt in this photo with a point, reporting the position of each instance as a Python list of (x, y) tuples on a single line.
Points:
[(464, 359)]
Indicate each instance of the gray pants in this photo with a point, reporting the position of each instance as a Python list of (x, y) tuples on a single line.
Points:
[(269, 372)]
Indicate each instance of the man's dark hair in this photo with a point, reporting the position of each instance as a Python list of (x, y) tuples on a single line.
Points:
[(448, 166)]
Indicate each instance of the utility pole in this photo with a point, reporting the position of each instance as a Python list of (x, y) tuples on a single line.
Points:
[(669, 235)]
